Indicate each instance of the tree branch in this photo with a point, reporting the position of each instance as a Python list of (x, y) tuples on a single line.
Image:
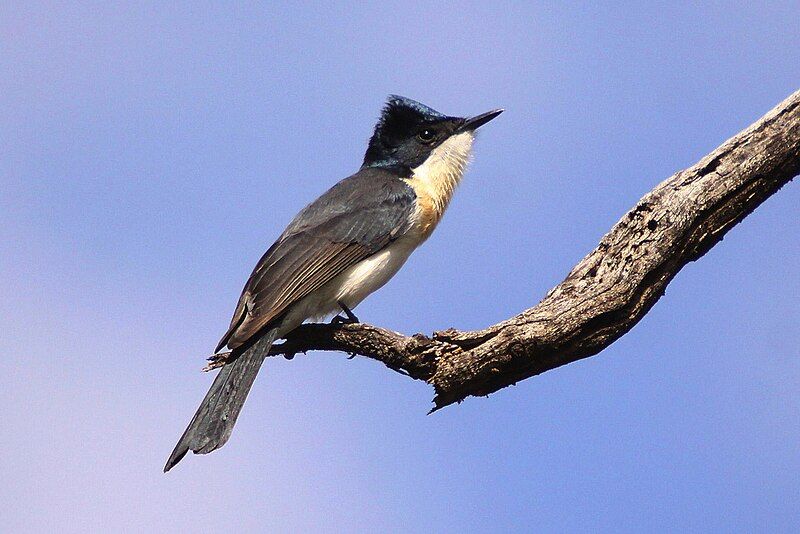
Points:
[(609, 291)]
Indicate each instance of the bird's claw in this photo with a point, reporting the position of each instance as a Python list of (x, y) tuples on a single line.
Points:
[(217, 360), (350, 317)]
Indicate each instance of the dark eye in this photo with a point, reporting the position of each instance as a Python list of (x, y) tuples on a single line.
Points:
[(427, 135)]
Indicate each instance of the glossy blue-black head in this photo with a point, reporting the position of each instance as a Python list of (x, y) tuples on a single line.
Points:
[(408, 132)]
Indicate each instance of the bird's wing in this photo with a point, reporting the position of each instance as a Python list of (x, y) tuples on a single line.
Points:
[(354, 219)]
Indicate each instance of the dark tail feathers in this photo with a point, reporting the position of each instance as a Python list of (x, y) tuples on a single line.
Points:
[(213, 423)]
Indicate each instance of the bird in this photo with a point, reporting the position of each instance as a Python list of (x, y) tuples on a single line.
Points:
[(339, 249)]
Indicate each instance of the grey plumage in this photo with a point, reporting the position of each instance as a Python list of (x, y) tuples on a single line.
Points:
[(351, 221), (213, 422), (338, 249)]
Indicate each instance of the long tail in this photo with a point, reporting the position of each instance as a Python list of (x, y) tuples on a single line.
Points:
[(213, 423)]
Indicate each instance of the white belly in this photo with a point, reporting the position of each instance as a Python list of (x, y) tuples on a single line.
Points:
[(352, 286)]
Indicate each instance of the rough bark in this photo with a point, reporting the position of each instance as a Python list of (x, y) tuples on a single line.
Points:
[(608, 292)]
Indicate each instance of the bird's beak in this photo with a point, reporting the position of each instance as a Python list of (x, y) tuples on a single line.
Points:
[(475, 122)]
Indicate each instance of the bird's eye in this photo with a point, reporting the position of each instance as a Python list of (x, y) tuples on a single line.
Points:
[(427, 135)]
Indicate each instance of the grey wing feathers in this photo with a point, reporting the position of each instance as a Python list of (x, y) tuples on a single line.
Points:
[(353, 220)]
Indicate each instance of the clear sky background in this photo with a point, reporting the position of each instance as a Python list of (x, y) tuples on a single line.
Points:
[(150, 154)]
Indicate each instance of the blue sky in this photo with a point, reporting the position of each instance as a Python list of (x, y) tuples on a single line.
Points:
[(150, 155)]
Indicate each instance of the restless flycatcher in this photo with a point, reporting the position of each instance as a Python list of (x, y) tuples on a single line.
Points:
[(339, 249)]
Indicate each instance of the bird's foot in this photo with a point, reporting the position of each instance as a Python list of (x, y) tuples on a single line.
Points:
[(350, 317), (217, 360)]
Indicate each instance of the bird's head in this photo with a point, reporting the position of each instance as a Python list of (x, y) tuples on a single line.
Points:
[(409, 132)]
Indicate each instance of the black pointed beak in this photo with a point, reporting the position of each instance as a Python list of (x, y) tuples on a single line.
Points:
[(477, 121)]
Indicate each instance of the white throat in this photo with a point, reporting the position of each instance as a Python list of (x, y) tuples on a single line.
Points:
[(439, 175), (435, 181)]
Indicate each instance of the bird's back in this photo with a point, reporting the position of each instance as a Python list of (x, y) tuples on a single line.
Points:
[(354, 219)]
